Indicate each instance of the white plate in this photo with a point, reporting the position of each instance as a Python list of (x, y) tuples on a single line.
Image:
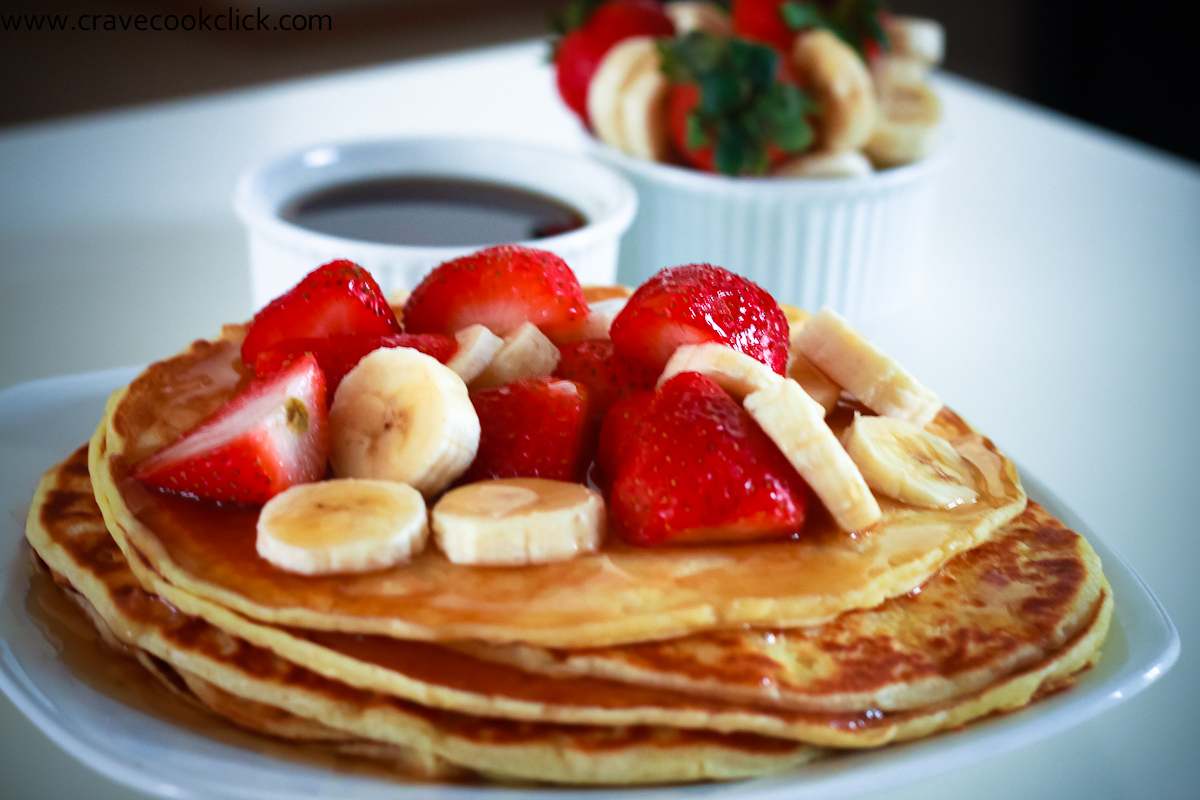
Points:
[(42, 422)]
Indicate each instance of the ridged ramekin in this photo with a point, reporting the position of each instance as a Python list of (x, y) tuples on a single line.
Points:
[(281, 252), (854, 244)]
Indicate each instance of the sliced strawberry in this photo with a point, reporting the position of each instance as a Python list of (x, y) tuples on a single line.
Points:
[(581, 50), (500, 287), (533, 428), (607, 374), (618, 431), (701, 303), (272, 435), (337, 298), (698, 469), (340, 353)]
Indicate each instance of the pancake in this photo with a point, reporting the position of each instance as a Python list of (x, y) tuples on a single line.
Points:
[(989, 612), (616, 596), (437, 675), (68, 532)]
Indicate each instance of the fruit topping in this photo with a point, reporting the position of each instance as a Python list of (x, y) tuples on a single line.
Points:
[(342, 525), (524, 353), (736, 373), (607, 374), (500, 287), (796, 423), (908, 463), (515, 521), (698, 469), (337, 298), (272, 435), (618, 431), (477, 346), (338, 354), (870, 374), (402, 416), (701, 303), (588, 31), (534, 428)]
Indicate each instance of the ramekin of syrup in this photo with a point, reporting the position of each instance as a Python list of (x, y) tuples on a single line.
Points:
[(402, 206)]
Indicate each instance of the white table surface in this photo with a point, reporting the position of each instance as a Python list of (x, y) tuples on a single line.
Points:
[(1059, 314)]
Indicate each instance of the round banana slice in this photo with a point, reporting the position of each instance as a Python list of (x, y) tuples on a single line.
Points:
[(696, 15), (908, 463), (477, 346), (844, 164), (909, 126), (831, 70), (916, 37), (526, 353), (795, 316), (644, 115), (514, 521), (402, 416), (623, 62), (736, 373), (342, 525), (396, 300), (864, 370), (796, 424)]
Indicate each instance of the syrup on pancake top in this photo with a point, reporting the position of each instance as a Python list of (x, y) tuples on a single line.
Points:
[(731, 498)]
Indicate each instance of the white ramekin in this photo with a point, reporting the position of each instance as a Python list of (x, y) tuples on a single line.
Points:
[(281, 253), (853, 244)]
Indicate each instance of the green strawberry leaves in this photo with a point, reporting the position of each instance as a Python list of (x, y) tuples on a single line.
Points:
[(855, 22), (743, 107)]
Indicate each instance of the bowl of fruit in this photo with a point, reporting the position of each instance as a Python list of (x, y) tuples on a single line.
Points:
[(793, 142)]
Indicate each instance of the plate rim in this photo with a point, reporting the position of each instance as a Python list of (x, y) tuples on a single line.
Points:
[(1149, 654)]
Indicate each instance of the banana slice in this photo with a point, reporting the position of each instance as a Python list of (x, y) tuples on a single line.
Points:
[(796, 423), (623, 62), (736, 373), (526, 353), (596, 325), (831, 70), (844, 164), (864, 370), (344, 525), (399, 415), (692, 15), (514, 521), (903, 461), (396, 300), (909, 126), (477, 346), (644, 116), (795, 316), (891, 70), (916, 37)]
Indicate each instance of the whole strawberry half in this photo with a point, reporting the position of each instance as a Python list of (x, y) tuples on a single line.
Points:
[(502, 288), (272, 435), (337, 298), (589, 31), (698, 469), (340, 353), (607, 374), (532, 428), (701, 303), (618, 431)]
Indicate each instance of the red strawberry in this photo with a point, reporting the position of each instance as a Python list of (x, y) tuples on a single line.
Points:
[(618, 431), (580, 52), (698, 469), (339, 297), (340, 353), (272, 435), (607, 374), (500, 287), (533, 428), (701, 303), (762, 21)]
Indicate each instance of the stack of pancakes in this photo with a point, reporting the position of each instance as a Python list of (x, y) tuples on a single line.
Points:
[(625, 666)]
